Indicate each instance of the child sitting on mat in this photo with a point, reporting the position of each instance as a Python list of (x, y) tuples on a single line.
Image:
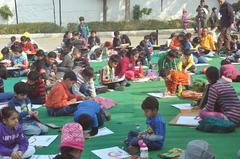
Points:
[(84, 86), (222, 100), (13, 143), (173, 79), (37, 90), (60, 101), (229, 71), (108, 76), (154, 136), (127, 64), (72, 142), (91, 116), (22, 104), (186, 62)]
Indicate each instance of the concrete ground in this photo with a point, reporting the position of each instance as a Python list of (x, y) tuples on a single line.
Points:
[(50, 43)]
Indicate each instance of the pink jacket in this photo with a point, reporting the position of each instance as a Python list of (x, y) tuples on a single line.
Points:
[(229, 71), (125, 65)]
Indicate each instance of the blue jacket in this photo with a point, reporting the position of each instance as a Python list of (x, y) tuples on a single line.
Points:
[(84, 30), (22, 107)]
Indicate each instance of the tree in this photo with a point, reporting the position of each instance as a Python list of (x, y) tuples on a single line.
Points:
[(105, 10)]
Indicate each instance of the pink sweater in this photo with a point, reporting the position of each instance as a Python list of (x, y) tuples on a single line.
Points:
[(125, 65), (229, 71)]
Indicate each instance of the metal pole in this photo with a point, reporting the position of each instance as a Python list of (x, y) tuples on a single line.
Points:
[(16, 11), (54, 14), (60, 12), (157, 36)]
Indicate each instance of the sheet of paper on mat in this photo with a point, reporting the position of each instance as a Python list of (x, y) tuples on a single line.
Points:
[(202, 64), (42, 156), (111, 153), (43, 140), (142, 80), (185, 106), (36, 106), (188, 120), (103, 132), (234, 63), (160, 95)]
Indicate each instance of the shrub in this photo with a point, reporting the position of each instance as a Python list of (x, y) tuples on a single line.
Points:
[(129, 25), (138, 13), (5, 12), (30, 27)]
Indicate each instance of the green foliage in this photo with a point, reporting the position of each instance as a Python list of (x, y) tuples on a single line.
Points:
[(129, 25), (198, 85), (5, 12), (30, 27), (236, 6), (138, 12)]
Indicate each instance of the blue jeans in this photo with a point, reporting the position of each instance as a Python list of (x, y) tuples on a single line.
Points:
[(85, 90), (34, 128), (65, 111), (19, 73), (5, 97), (200, 59), (133, 141)]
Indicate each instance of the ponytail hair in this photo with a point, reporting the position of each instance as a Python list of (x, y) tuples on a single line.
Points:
[(65, 153)]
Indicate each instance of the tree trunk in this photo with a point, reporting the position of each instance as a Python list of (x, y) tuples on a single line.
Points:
[(127, 10), (105, 10)]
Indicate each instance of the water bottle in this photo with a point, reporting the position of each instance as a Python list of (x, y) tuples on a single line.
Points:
[(143, 149), (137, 127)]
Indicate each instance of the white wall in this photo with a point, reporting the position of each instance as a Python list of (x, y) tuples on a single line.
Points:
[(42, 10)]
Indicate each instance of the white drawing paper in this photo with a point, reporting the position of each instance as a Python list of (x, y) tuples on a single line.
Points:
[(103, 132), (111, 153), (186, 106), (188, 120), (159, 95), (43, 140)]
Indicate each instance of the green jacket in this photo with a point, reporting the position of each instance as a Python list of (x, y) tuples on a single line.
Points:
[(165, 63)]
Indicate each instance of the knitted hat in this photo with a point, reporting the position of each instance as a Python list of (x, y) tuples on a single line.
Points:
[(72, 136), (197, 149)]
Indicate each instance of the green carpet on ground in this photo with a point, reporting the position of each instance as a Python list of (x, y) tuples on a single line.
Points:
[(128, 113)]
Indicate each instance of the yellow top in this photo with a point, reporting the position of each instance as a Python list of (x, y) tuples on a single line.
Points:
[(207, 43), (185, 62)]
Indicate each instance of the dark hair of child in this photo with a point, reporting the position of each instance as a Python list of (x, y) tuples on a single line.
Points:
[(88, 71), (214, 8), (114, 58), (70, 75), (66, 34), (16, 48), (172, 35), (13, 38), (133, 52), (122, 52), (85, 120), (33, 75), (172, 54), (6, 113), (146, 37), (212, 74), (93, 31), (164, 73), (65, 153), (75, 33), (52, 55), (196, 41), (150, 103), (40, 53), (116, 33), (81, 18), (21, 88), (5, 51), (225, 62), (23, 39)]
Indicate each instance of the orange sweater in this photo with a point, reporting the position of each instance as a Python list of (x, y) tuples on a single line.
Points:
[(176, 79), (175, 43), (60, 96)]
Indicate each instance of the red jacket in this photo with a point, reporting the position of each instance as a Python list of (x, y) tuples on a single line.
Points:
[(125, 65), (28, 47), (60, 96), (38, 90)]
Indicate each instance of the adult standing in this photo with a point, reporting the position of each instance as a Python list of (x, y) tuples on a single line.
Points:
[(201, 17), (226, 21)]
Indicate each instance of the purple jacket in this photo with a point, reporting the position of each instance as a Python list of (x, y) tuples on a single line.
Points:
[(10, 138), (229, 71)]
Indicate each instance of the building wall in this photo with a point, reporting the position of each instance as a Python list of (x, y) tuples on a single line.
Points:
[(92, 10)]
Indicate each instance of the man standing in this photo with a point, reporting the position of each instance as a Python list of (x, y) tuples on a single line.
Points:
[(226, 21)]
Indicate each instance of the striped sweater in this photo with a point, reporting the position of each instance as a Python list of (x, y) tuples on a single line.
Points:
[(223, 98), (37, 90)]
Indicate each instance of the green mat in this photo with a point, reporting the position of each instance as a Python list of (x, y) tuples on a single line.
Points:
[(128, 113)]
